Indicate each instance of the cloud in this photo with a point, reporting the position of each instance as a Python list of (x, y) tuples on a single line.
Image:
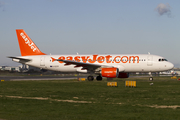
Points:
[(164, 9)]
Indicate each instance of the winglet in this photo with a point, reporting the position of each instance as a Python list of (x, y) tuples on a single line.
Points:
[(27, 46)]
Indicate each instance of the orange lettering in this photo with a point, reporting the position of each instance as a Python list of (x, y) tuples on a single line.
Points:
[(84, 58), (116, 60), (77, 59), (134, 57), (125, 60), (100, 59), (62, 58), (69, 58), (108, 58), (94, 59)]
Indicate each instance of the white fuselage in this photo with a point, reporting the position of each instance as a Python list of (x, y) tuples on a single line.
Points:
[(125, 63)]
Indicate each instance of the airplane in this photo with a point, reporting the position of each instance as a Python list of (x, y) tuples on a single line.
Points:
[(104, 65)]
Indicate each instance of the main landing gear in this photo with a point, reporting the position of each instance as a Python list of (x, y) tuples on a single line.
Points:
[(99, 78), (91, 78)]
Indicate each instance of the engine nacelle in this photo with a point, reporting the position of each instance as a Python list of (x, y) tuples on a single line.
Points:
[(123, 75), (110, 72)]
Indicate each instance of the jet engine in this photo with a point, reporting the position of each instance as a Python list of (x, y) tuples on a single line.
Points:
[(110, 72)]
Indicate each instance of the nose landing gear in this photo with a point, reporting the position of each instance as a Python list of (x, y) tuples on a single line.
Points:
[(150, 78)]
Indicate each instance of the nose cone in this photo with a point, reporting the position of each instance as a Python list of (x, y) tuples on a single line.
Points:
[(170, 66)]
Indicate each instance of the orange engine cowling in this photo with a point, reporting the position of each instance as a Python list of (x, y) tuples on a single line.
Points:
[(110, 72), (123, 75)]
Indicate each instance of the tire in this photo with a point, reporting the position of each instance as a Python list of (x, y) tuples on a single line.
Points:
[(90, 78), (98, 78)]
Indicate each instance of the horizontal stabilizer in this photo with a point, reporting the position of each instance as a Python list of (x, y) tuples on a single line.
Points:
[(20, 60)]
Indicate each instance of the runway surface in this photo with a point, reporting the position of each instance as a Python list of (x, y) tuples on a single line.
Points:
[(23, 78), (20, 78)]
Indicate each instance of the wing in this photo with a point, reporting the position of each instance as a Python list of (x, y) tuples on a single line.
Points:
[(88, 66)]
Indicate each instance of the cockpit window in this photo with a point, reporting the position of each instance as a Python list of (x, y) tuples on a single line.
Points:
[(162, 59)]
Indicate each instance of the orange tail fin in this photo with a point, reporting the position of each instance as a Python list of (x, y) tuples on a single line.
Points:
[(27, 46)]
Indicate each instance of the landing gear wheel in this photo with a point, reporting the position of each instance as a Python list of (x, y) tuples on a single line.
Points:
[(98, 78), (90, 78), (151, 79)]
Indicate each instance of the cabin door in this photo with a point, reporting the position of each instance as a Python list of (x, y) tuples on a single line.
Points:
[(150, 60)]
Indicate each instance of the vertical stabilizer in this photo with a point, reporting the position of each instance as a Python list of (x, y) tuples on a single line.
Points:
[(27, 46)]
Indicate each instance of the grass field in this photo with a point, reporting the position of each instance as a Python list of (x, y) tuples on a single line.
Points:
[(84, 100)]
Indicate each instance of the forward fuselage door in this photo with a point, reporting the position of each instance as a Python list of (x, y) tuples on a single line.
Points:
[(150, 60)]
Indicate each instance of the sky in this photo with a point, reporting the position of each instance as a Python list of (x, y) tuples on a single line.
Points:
[(92, 27)]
